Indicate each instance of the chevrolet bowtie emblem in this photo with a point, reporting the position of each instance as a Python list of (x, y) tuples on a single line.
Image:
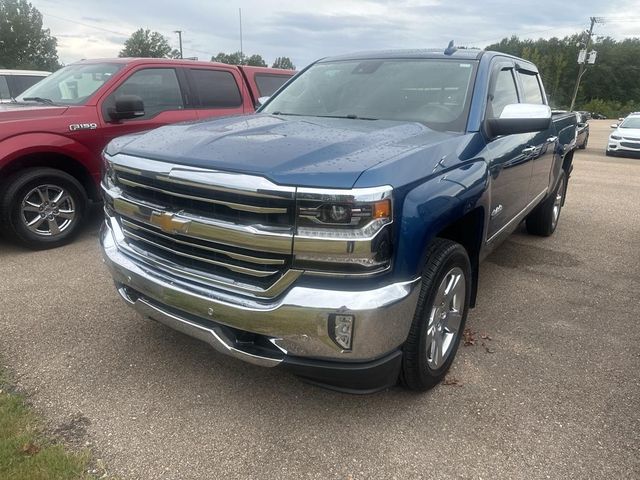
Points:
[(169, 223)]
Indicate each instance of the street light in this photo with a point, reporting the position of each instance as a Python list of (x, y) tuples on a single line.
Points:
[(179, 32)]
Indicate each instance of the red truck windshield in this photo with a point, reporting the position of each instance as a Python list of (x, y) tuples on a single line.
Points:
[(433, 92), (72, 85)]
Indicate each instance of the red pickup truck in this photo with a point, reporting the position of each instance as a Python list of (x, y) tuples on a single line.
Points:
[(52, 135)]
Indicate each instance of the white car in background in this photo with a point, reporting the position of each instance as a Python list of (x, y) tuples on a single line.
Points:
[(14, 82), (625, 139)]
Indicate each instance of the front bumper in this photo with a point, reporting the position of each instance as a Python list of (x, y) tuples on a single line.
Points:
[(291, 331), (625, 146)]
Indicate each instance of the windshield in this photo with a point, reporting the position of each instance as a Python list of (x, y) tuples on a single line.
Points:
[(433, 92), (631, 122), (71, 85)]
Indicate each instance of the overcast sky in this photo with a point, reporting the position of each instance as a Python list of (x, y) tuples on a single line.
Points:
[(307, 30)]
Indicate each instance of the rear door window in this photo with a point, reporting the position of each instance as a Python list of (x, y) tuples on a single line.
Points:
[(268, 83), (216, 88), (530, 88)]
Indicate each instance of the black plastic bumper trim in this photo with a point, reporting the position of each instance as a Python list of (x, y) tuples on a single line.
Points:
[(356, 378)]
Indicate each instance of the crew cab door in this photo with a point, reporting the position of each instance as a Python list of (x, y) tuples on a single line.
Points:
[(162, 93), (218, 92), (541, 144), (510, 165)]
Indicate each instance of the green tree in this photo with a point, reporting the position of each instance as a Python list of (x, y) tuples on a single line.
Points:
[(23, 41), (235, 58), (256, 61), (284, 63), (145, 43)]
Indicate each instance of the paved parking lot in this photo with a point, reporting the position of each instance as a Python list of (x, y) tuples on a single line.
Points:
[(554, 392)]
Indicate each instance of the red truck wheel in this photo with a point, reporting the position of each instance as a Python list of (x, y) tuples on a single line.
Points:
[(42, 208)]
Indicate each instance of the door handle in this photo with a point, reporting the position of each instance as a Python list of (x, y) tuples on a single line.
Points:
[(528, 150), (552, 139)]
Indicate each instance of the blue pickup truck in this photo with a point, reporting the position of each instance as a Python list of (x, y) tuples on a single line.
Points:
[(338, 232)]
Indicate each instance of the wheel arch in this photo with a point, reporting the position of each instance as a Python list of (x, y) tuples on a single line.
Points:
[(57, 160)]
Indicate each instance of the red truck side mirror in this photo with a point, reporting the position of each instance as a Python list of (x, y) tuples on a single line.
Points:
[(127, 106)]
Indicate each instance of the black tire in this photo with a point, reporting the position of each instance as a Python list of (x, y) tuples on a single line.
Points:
[(584, 144), (543, 221), (13, 220), (443, 257)]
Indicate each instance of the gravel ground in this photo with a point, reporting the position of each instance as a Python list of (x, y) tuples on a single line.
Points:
[(553, 393)]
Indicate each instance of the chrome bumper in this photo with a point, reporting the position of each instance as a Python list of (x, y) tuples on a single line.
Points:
[(296, 323)]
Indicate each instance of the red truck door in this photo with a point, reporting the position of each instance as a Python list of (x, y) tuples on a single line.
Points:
[(218, 91), (164, 100)]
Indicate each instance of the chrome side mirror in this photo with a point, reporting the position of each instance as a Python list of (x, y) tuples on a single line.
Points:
[(520, 118), (614, 125), (262, 101)]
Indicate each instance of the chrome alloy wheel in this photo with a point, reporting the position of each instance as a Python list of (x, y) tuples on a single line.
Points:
[(48, 210), (557, 203), (445, 317)]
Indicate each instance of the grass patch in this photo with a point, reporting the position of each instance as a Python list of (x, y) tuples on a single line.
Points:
[(25, 453)]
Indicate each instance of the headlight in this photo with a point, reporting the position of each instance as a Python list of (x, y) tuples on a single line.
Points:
[(615, 137), (343, 231)]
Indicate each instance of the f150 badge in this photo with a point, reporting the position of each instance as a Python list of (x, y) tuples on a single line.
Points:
[(82, 126)]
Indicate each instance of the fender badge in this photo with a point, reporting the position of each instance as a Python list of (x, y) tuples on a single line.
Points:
[(82, 126)]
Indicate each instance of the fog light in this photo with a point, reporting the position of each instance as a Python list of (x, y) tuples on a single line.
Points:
[(341, 329)]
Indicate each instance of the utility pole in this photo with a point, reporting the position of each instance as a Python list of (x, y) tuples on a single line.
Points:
[(583, 62), (179, 32), (241, 50)]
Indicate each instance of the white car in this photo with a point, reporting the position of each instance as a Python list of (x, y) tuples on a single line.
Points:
[(625, 139), (14, 82)]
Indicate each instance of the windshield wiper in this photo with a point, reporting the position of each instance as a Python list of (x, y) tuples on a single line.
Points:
[(351, 116), (48, 101)]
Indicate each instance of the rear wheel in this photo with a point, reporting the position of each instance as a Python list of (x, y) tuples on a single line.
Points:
[(440, 316), (42, 208), (544, 219)]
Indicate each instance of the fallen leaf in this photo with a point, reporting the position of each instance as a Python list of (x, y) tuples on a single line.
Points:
[(452, 381), (485, 336), (30, 449), (469, 337), (489, 350)]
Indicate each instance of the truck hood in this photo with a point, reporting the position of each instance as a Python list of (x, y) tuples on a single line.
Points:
[(10, 112), (290, 150)]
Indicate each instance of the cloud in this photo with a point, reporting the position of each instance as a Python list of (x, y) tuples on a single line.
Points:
[(306, 31)]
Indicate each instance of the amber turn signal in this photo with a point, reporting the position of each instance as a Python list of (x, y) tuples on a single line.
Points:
[(382, 209)]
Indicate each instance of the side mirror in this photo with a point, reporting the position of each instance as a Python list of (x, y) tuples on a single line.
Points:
[(614, 125), (262, 101), (620, 119), (520, 118), (127, 106)]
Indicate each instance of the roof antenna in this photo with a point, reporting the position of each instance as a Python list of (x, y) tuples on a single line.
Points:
[(450, 50)]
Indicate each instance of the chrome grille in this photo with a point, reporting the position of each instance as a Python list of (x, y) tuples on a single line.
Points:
[(221, 229)]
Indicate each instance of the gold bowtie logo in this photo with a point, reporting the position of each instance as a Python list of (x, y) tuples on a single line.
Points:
[(169, 223)]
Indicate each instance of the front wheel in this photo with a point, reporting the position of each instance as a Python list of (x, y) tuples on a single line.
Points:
[(42, 208), (440, 316)]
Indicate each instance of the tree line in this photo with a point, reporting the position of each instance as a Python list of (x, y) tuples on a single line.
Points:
[(611, 86)]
